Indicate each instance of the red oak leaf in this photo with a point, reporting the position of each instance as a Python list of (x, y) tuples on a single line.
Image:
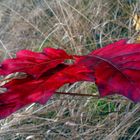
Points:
[(114, 68), (21, 92), (117, 69), (34, 63)]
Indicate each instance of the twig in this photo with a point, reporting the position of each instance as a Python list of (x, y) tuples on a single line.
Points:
[(77, 94)]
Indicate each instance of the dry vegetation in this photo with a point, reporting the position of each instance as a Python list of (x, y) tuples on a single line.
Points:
[(78, 26)]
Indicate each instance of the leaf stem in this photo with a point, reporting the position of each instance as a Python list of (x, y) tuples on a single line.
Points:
[(77, 94)]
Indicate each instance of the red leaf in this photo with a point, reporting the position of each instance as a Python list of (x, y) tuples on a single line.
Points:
[(114, 68), (34, 63), (117, 69), (21, 92)]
